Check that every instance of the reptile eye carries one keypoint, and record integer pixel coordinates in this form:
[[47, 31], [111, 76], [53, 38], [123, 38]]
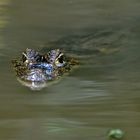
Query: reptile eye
[[61, 59], [59, 62], [24, 58]]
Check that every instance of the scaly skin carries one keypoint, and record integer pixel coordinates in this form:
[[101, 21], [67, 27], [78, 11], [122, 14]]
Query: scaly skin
[[34, 70]]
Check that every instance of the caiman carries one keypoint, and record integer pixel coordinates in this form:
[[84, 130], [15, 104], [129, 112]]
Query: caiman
[[35, 70]]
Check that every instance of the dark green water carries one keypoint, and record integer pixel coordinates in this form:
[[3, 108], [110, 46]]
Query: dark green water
[[102, 93]]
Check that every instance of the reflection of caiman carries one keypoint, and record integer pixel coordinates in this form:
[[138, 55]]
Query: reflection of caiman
[[35, 70]]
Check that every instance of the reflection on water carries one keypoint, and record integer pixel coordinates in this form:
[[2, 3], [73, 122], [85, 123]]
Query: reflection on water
[[102, 93], [3, 19]]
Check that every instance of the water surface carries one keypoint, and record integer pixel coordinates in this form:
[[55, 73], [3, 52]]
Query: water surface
[[102, 93]]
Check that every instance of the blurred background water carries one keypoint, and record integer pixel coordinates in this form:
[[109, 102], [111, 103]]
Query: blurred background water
[[102, 93]]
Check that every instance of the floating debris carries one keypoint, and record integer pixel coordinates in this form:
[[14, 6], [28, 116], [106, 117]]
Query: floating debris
[[35, 70], [116, 134]]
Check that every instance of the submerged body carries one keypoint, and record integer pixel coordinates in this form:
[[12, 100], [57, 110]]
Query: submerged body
[[36, 70]]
